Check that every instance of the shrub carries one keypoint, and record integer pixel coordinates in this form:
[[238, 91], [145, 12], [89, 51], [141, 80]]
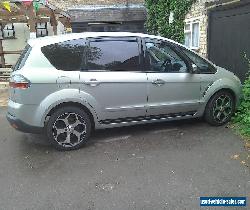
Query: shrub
[[242, 116]]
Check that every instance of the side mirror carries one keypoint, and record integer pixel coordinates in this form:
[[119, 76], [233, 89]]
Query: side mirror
[[194, 68]]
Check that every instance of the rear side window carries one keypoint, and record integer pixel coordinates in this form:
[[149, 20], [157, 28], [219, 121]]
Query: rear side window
[[23, 57], [113, 55], [66, 56]]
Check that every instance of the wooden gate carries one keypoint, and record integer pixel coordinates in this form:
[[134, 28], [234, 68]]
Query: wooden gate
[[229, 37]]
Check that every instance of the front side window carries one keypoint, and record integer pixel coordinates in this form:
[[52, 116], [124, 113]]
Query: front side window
[[202, 64], [113, 55], [66, 56], [160, 57], [192, 34]]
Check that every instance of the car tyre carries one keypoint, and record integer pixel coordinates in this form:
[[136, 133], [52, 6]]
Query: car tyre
[[68, 128], [220, 108]]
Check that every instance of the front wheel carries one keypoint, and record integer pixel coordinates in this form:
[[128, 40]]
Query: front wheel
[[68, 128], [220, 108]]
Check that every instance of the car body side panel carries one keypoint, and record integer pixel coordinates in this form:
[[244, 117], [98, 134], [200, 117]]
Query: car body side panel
[[115, 94], [219, 84], [180, 93]]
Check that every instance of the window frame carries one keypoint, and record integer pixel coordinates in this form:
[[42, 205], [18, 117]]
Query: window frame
[[12, 29], [173, 47], [46, 28], [111, 38], [191, 23]]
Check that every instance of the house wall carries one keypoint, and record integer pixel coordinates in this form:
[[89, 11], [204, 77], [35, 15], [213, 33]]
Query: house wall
[[199, 12], [22, 35]]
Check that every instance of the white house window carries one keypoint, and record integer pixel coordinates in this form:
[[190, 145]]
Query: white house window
[[41, 29], [9, 31], [192, 34]]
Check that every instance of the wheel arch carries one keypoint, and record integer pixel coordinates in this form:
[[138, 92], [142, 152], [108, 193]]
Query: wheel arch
[[75, 104], [223, 89], [227, 90]]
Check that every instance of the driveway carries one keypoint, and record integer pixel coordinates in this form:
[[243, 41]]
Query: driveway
[[4, 95], [159, 166]]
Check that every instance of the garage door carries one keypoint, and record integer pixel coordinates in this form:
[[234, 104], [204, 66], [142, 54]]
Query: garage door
[[229, 38]]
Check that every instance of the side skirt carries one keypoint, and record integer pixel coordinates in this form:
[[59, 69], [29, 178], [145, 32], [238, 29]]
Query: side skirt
[[145, 119]]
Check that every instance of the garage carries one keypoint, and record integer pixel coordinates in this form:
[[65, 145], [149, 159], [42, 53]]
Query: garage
[[229, 37]]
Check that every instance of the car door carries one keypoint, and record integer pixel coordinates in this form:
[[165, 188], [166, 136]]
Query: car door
[[112, 79], [172, 88], [206, 70]]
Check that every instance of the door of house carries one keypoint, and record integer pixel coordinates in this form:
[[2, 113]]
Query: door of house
[[229, 37]]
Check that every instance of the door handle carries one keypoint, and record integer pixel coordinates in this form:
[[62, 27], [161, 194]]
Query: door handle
[[92, 82], [158, 82]]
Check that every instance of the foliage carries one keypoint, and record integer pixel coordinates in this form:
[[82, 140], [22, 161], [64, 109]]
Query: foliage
[[242, 116], [158, 17]]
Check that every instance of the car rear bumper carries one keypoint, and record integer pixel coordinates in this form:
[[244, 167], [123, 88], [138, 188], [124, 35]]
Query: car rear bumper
[[22, 126]]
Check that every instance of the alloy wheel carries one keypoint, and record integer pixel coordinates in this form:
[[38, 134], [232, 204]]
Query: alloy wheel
[[223, 108], [69, 129]]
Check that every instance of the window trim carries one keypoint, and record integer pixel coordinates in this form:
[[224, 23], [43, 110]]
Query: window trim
[[173, 47], [84, 67], [12, 29], [191, 23]]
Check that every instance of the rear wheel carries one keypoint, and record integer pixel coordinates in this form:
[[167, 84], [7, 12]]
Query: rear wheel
[[220, 108], [68, 128]]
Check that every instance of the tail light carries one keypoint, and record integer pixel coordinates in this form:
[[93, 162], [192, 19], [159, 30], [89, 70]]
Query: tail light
[[19, 82]]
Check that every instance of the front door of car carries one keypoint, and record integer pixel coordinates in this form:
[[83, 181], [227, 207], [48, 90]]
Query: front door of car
[[172, 88], [205, 68], [111, 78]]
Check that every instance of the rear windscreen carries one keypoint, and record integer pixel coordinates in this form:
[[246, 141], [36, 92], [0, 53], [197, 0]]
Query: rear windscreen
[[23, 57]]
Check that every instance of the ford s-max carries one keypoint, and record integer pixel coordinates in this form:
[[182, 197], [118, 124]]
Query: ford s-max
[[70, 85]]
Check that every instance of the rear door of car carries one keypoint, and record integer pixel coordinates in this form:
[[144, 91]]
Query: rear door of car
[[112, 78]]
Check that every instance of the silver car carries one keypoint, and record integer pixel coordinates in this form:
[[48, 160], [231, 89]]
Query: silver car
[[70, 85]]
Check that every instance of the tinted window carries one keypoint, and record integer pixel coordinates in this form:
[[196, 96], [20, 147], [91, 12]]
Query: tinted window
[[160, 57], [204, 66], [23, 57], [67, 55], [113, 55]]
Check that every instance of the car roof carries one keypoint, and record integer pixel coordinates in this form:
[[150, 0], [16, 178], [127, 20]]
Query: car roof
[[43, 41]]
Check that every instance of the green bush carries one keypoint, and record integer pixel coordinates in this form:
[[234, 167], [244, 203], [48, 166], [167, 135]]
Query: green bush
[[158, 17], [242, 116]]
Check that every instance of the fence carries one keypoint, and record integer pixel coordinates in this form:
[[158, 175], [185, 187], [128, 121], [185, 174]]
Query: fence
[[5, 74], [5, 70]]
